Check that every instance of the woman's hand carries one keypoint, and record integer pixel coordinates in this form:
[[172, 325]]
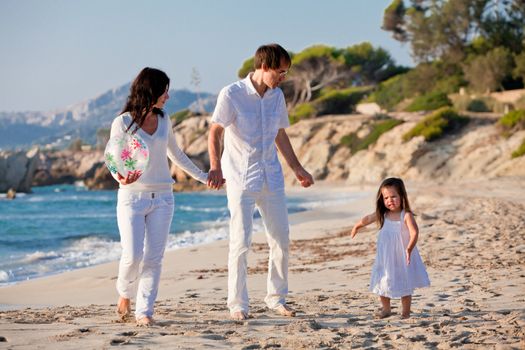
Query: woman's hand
[[215, 179], [130, 178]]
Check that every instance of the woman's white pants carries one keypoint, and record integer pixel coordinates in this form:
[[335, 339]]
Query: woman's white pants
[[274, 213], [144, 220]]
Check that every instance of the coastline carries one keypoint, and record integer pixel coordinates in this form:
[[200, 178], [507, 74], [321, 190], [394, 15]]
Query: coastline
[[472, 241]]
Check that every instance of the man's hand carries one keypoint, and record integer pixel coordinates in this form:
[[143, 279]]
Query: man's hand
[[304, 177], [130, 178], [215, 179]]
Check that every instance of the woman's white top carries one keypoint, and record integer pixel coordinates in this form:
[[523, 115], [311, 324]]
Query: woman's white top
[[161, 145]]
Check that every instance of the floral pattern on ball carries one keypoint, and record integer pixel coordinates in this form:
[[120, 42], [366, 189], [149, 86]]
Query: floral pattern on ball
[[126, 154]]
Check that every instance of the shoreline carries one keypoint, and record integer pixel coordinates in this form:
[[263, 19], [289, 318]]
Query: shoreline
[[102, 270], [473, 257], [215, 230]]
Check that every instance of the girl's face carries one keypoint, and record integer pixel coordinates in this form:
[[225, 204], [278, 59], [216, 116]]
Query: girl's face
[[391, 198], [161, 101]]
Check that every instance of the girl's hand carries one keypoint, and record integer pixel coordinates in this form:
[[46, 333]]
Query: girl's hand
[[408, 256], [354, 232], [130, 178]]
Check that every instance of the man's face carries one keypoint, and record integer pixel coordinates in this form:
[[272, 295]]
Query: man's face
[[273, 77]]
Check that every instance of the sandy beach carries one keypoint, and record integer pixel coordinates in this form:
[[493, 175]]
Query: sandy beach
[[472, 240]]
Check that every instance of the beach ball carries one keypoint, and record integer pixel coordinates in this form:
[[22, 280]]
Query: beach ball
[[126, 153]]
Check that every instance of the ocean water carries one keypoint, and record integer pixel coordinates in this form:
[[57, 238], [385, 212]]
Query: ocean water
[[66, 227]]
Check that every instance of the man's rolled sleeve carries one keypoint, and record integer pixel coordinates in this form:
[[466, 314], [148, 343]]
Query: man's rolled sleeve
[[224, 113], [283, 120]]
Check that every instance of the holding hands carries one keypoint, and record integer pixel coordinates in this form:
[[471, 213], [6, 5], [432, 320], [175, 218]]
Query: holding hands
[[215, 179]]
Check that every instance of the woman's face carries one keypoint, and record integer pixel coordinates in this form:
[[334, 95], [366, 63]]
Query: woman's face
[[161, 101]]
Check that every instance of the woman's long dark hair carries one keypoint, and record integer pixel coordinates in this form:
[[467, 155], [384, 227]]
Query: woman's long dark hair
[[380, 203], [145, 90]]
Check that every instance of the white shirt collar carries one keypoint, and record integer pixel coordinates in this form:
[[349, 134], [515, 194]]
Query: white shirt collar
[[250, 89]]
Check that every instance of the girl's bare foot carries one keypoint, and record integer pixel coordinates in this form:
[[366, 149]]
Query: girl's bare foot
[[383, 313]]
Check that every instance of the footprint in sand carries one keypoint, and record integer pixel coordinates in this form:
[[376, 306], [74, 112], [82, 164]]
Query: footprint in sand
[[128, 334], [118, 341], [213, 337], [443, 297], [417, 338]]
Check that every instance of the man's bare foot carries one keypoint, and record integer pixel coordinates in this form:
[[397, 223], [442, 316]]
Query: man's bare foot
[[145, 321], [123, 308], [405, 315], [285, 310], [239, 315], [383, 314]]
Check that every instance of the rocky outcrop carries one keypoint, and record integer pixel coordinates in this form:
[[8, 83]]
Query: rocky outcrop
[[478, 151], [69, 166], [17, 170], [192, 137]]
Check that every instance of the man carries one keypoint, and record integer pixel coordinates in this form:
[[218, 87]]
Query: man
[[251, 115]]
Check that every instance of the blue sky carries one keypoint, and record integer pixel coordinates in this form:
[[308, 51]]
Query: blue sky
[[55, 53]]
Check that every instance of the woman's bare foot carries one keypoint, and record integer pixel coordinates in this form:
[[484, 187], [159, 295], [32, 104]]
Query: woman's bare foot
[[123, 308], [145, 321]]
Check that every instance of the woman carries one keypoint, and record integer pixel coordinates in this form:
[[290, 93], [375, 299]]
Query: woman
[[145, 202]]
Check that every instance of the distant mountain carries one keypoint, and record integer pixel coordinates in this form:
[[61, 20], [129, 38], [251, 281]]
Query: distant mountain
[[82, 120]]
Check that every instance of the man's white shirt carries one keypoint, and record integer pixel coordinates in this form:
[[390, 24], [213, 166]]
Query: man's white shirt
[[251, 123]]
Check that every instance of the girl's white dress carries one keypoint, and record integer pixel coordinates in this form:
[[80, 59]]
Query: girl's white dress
[[391, 276]]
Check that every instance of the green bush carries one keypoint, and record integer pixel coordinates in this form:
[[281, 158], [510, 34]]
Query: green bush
[[429, 102], [520, 151], [437, 124], [302, 111], [317, 51], [389, 93], [477, 105], [378, 128], [246, 68], [350, 141], [339, 101], [514, 120], [181, 115]]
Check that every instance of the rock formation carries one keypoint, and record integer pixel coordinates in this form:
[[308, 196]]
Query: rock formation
[[17, 170], [478, 151]]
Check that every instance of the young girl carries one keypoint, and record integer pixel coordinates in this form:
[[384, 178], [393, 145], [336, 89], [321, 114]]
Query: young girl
[[398, 268]]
